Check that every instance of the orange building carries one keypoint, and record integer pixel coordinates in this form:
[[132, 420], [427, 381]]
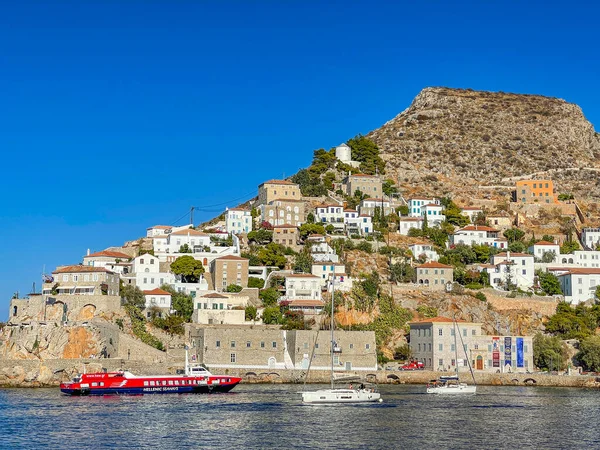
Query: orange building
[[535, 191]]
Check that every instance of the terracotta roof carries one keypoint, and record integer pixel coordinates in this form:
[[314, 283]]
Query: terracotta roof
[[582, 271], [278, 182], [306, 303], [434, 265], [238, 209], [419, 198], [329, 205], [189, 231], [438, 319], [164, 236], [544, 243], [81, 268], [365, 215], [504, 254], [160, 227], [301, 275], [285, 225], [350, 210], [108, 253], [214, 295], [285, 200], [156, 291], [432, 204], [479, 228], [231, 257]]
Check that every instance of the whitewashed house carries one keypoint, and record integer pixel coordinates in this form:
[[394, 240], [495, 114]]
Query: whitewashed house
[[471, 212], [158, 230], [415, 205], [325, 271], [105, 258], [579, 284], [518, 268], [434, 215], [171, 243], [368, 205], [147, 274], [302, 286], [478, 235], [238, 220], [590, 237], [157, 298], [539, 249], [408, 223], [424, 250], [214, 308], [586, 258], [357, 224], [330, 215]]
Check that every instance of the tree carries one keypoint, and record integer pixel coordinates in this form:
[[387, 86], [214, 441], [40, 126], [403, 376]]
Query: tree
[[271, 315], [329, 229], [189, 268], [269, 296], [425, 226], [389, 187], [366, 152], [364, 246], [402, 353], [272, 255], [516, 247], [303, 262], [514, 235], [480, 219], [597, 292], [569, 247], [310, 218], [548, 352], [185, 249], [402, 273], [549, 283], [180, 302], [402, 210], [233, 288], [549, 257], [310, 183], [254, 282], [250, 312], [261, 236], [307, 229], [589, 353], [453, 213], [133, 295]]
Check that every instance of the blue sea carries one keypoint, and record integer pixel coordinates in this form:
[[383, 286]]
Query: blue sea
[[272, 416]]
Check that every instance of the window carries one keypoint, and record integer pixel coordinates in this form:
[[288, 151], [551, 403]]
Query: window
[[142, 261], [274, 344], [232, 344], [440, 362], [441, 347], [367, 346], [452, 348], [351, 345], [440, 332], [465, 332], [472, 332], [232, 357], [65, 277], [419, 346], [248, 344], [218, 344], [75, 277]]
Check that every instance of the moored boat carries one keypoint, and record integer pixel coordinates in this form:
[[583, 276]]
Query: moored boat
[[196, 380]]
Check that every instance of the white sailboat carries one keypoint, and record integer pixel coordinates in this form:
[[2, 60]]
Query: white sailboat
[[362, 394], [451, 384]]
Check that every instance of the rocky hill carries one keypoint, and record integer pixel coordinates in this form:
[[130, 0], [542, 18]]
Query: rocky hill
[[449, 138]]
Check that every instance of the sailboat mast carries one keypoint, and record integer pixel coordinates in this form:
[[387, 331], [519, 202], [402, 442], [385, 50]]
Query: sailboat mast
[[332, 338], [455, 346]]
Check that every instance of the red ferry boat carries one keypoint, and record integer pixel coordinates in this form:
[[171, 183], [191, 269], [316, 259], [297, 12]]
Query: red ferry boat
[[197, 380]]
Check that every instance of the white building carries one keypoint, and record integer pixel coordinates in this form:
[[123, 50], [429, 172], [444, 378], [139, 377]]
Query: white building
[[330, 215], [323, 252], [478, 235], [415, 205], [368, 205], [214, 308], [105, 258], [590, 237], [471, 212], [325, 272], [171, 243], [433, 213], [539, 249], [424, 249], [158, 230], [357, 224], [302, 286], [146, 270], [408, 223], [586, 258], [238, 220], [518, 268], [157, 297], [579, 284], [343, 153]]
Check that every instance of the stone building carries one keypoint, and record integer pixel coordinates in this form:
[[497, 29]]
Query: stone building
[[283, 212], [81, 280], [435, 275], [268, 347], [278, 190], [432, 342], [286, 235], [369, 185], [215, 308], [228, 270]]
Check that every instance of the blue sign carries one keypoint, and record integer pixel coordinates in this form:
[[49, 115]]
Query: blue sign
[[507, 350], [520, 352]]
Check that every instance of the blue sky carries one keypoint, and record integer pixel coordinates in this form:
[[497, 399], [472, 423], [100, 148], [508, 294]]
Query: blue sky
[[115, 116]]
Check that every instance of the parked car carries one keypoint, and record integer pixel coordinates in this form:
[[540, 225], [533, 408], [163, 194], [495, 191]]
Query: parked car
[[413, 365]]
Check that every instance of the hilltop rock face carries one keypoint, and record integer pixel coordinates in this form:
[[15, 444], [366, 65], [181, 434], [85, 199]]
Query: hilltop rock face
[[451, 137]]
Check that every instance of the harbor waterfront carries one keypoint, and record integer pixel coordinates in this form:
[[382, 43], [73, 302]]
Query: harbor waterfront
[[272, 416], [30, 373]]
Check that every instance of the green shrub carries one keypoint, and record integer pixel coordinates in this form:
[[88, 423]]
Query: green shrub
[[481, 296]]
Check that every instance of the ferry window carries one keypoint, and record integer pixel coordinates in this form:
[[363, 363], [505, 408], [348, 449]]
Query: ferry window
[[176, 382], [94, 384], [170, 382], [102, 383], [145, 383], [164, 383], [152, 383], [218, 344]]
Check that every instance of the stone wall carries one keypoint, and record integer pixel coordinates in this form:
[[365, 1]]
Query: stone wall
[[70, 308]]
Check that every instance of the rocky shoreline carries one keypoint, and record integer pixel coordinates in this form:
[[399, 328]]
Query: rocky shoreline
[[50, 373]]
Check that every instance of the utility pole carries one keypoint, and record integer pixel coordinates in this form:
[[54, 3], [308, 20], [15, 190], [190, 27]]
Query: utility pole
[[192, 216]]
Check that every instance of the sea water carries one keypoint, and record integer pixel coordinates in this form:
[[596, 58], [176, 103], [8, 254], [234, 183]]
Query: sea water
[[272, 416]]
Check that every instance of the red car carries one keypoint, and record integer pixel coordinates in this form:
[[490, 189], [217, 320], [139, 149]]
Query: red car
[[413, 365]]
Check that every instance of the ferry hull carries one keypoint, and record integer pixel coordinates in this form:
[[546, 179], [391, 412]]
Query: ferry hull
[[221, 388]]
